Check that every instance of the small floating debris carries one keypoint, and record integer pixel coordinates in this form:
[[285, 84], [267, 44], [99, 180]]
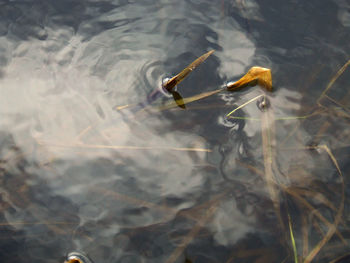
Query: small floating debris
[[255, 75], [171, 83], [77, 257], [168, 87]]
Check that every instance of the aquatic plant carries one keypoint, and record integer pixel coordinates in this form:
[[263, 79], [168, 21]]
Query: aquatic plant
[[308, 213]]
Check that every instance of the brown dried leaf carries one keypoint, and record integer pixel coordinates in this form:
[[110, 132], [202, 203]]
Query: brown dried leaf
[[256, 75]]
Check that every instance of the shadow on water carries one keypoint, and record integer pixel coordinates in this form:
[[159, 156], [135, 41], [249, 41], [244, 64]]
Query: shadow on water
[[267, 183]]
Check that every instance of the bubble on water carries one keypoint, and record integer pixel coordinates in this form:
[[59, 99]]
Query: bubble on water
[[263, 103]]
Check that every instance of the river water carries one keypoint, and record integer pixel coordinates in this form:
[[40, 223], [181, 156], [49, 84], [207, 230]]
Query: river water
[[173, 185]]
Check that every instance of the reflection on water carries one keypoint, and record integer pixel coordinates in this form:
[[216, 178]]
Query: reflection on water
[[176, 185]]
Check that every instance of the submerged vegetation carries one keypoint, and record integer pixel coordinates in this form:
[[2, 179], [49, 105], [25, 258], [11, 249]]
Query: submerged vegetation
[[308, 212], [284, 195]]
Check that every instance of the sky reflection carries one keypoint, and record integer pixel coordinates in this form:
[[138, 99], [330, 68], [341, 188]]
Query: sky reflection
[[171, 185]]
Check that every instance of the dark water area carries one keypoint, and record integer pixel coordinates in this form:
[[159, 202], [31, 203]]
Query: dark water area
[[173, 185]]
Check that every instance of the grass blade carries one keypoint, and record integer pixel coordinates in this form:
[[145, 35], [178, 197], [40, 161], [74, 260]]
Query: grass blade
[[169, 86], [292, 239]]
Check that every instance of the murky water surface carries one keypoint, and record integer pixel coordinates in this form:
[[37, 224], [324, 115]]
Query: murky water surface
[[173, 185]]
